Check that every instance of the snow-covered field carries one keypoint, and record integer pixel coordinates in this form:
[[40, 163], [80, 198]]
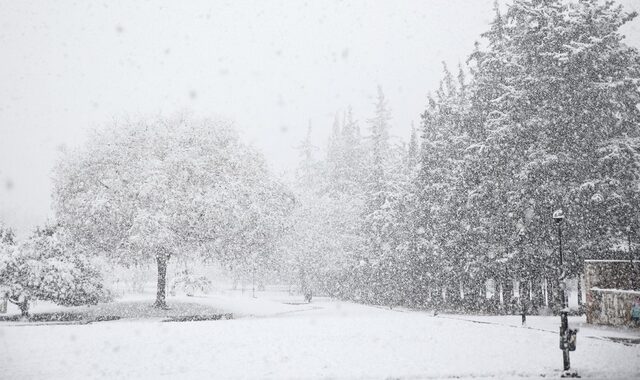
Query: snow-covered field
[[273, 337]]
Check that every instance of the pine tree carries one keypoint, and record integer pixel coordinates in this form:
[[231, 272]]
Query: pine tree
[[554, 95]]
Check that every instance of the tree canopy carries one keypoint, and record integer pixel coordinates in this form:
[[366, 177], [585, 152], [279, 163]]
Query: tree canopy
[[157, 188]]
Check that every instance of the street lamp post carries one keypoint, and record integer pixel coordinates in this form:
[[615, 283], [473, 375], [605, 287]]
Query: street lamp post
[[629, 244], [567, 335]]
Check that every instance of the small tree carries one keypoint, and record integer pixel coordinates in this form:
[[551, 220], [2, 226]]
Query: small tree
[[48, 267], [7, 236]]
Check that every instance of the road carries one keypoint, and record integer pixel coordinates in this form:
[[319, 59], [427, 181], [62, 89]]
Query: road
[[275, 337]]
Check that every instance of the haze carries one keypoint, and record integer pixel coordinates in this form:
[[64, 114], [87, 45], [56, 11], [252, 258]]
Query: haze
[[272, 67]]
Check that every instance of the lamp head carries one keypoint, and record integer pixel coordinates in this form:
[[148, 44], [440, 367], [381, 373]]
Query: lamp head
[[558, 216]]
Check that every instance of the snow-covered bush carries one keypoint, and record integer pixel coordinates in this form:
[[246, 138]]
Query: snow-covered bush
[[47, 267], [189, 283]]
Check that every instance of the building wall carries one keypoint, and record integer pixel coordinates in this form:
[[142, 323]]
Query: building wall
[[612, 288]]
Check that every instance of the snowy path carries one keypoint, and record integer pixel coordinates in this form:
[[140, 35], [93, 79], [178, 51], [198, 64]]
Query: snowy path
[[276, 340], [550, 324]]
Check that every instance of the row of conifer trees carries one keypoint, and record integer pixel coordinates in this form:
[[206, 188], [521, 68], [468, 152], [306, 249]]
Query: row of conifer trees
[[544, 115]]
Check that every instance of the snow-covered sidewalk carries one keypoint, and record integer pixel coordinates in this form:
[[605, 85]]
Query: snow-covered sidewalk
[[551, 324], [275, 338]]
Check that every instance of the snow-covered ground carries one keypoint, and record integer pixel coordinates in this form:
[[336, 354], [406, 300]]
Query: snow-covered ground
[[277, 337]]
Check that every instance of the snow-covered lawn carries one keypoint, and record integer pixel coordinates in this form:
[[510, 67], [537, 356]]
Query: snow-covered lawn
[[273, 337]]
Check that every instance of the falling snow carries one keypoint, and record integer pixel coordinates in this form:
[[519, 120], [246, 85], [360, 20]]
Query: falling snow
[[176, 248]]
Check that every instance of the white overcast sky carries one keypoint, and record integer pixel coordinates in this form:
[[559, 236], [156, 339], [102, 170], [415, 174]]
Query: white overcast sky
[[272, 66]]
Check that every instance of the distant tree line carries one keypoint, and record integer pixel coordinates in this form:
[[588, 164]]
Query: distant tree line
[[545, 115]]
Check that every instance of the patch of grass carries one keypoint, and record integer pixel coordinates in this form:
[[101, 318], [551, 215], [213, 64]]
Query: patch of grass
[[144, 309], [176, 312], [61, 316], [195, 318]]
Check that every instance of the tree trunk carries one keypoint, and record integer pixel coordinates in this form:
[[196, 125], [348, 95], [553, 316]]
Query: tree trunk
[[453, 297], [579, 290], [445, 296], [161, 258], [474, 299], [537, 287], [525, 290], [24, 308], [507, 286], [23, 305]]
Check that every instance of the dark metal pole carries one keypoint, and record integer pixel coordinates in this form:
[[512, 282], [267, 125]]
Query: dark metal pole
[[564, 323], [560, 248], [629, 241]]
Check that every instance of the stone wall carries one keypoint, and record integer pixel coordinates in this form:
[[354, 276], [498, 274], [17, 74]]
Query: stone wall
[[612, 288]]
